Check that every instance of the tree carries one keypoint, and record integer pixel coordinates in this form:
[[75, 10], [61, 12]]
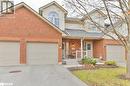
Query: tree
[[116, 11]]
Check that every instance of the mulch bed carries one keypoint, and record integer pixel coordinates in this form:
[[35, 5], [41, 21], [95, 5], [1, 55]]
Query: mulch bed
[[106, 66], [84, 67]]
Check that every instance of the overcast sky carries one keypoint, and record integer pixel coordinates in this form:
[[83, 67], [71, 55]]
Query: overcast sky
[[35, 4]]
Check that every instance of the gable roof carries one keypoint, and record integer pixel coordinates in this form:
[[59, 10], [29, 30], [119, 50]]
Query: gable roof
[[54, 3], [94, 11], [116, 24], [97, 10], [22, 4]]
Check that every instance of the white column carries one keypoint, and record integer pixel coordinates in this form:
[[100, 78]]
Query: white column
[[67, 49], [81, 48]]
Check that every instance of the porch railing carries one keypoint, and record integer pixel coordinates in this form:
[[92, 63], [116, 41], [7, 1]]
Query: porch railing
[[85, 53], [78, 54]]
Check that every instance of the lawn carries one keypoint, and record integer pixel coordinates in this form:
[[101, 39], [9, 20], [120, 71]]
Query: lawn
[[102, 77]]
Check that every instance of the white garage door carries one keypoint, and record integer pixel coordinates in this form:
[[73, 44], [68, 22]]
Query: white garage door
[[116, 53], [9, 53], [42, 53]]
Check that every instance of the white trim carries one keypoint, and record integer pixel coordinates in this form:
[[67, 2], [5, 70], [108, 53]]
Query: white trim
[[81, 47], [55, 3], [53, 16], [87, 42], [80, 58]]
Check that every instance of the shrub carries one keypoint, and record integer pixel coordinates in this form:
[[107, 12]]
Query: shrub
[[89, 60], [94, 61], [110, 63]]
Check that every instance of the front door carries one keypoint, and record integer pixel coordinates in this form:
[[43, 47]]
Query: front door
[[89, 49]]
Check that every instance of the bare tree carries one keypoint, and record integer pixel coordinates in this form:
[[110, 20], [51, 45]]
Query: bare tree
[[116, 11]]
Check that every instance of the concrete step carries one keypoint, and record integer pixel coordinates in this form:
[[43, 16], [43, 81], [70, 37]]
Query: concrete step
[[71, 62]]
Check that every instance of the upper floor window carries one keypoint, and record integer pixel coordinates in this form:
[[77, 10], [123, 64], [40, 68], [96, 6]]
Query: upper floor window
[[54, 18], [92, 27], [6, 7]]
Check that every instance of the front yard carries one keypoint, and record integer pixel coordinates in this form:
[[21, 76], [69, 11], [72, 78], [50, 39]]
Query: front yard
[[103, 77]]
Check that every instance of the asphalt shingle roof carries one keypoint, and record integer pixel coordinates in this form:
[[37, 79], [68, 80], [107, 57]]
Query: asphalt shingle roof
[[82, 33]]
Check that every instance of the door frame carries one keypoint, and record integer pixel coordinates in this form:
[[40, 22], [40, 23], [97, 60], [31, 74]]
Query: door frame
[[91, 43]]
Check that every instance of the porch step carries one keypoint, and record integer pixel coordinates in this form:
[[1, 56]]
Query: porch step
[[71, 62], [73, 67]]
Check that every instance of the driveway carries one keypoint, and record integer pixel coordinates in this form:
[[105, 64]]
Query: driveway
[[45, 75]]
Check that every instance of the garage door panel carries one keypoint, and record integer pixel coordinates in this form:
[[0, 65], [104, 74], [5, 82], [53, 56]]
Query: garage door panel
[[42, 53], [9, 62], [9, 53], [116, 53]]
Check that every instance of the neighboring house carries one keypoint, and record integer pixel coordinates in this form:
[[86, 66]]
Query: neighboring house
[[82, 35], [29, 38]]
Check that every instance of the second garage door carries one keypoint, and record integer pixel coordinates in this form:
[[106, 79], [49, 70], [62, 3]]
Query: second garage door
[[42, 53], [116, 53], [9, 53]]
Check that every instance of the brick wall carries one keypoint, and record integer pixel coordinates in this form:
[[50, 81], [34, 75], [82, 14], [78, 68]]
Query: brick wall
[[25, 26]]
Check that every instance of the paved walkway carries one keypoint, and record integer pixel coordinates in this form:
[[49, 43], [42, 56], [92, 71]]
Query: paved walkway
[[46, 75]]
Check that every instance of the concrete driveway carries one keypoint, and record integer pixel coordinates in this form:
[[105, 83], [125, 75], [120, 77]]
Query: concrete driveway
[[45, 75]]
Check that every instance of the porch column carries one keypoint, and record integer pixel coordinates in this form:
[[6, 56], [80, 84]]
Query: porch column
[[81, 48]]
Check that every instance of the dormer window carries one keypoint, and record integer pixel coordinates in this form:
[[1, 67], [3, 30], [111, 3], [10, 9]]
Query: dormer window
[[54, 18]]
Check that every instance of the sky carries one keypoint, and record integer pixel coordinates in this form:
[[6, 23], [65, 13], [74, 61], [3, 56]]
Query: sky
[[36, 4]]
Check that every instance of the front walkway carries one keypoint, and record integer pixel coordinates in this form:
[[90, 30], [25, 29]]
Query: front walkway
[[45, 75]]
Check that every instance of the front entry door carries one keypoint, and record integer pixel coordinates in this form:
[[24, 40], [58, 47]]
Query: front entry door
[[89, 49]]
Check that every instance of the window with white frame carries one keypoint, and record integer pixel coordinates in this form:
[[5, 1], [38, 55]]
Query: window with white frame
[[6, 7], [54, 18], [92, 27]]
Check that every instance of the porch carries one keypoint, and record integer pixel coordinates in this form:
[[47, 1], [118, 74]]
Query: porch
[[79, 43], [76, 49]]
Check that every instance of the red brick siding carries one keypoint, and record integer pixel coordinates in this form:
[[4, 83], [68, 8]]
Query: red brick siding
[[100, 47], [25, 26]]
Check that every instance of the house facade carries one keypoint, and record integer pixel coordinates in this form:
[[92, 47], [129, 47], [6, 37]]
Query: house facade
[[49, 37], [83, 38], [26, 37]]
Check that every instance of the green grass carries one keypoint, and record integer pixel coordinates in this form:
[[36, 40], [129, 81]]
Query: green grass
[[103, 77]]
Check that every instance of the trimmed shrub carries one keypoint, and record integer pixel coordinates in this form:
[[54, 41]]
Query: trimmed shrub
[[89, 60], [94, 61], [110, 63]]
